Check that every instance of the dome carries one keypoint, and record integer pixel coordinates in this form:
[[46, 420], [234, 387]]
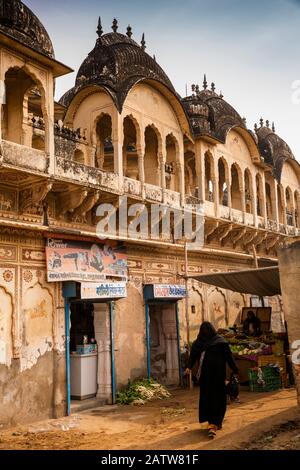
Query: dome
[[18, 22], [210, 114], [117, 63], [274, 150]]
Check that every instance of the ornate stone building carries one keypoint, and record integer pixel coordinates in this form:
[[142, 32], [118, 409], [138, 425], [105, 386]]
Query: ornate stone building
[[121, 130]]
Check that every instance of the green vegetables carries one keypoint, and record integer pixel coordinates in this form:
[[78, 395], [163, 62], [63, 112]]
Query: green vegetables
[[141, 391]]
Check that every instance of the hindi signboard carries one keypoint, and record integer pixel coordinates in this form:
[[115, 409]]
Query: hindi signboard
[[84, 261], [167, 291], [104, 290]]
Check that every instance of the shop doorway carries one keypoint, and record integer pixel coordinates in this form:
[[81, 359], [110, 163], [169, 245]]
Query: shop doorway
[[164, 361], [91, 362]]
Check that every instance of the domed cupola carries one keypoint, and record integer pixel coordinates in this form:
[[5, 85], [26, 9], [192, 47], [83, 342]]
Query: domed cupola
[[273, 149], [117, 63], [210, 114], [20, 23]]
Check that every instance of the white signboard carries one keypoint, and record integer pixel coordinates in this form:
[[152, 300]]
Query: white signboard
[[165, 291], [104, 290]]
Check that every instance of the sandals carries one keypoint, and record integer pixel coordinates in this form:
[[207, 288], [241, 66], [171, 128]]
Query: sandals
[[212, 431]]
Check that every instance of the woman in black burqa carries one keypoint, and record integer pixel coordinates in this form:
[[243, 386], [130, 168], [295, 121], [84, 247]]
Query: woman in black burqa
[[213, 353]]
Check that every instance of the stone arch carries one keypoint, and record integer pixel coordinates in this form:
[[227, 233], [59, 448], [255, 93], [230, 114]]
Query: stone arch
[[153, 147], [17, 127], [223, 179], [260, 203], [38, 313], [103, 127], [131, 146], [236, 302], [289, 206], [196, 311], [236, 186], [209, 176], [249, 197], [217, 308], [172, 160], [6, 327]]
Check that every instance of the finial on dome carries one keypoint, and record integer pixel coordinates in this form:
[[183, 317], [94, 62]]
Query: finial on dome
[[205, 82], [129, 31], [213, 87], [99, 29], [245, 121], [154, 57], [115, 25], [273, 127], [255, 127], [143, 42], [267, 123], [261, 121]]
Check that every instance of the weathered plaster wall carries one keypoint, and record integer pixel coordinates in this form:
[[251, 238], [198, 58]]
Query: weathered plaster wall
[[289, 269], [32, 359], [130, 337]]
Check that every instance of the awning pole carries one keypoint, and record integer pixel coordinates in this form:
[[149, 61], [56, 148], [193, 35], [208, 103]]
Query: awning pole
[[67, 334], [178, 344], [187, 297], [112, 352]]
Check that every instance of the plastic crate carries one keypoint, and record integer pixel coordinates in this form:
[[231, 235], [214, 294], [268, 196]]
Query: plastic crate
[[272, 380]]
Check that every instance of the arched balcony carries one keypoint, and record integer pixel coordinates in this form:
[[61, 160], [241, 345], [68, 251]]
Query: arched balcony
[[104, 149], [151, 160]]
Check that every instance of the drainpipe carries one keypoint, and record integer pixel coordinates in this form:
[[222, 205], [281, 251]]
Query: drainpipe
[[68, 376], [112, 352]]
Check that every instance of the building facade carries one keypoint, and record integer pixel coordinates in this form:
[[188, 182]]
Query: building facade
[[122, 130]]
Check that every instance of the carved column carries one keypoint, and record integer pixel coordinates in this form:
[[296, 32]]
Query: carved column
[[200, 170], [117, 137], [283, 197], [141, 166], [275, 204], [216, 195], [254, 205], [49, 125], [242, 190], [264, 201]]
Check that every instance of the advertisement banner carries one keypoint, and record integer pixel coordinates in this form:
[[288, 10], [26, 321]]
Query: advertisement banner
[[84, 261], [162, 291], [104, 290]]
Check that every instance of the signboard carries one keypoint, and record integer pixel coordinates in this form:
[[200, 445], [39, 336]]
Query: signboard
[[165, 291], [104, 290], [84, 261]]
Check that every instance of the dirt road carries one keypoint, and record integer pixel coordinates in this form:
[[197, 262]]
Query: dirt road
[[162, 425]]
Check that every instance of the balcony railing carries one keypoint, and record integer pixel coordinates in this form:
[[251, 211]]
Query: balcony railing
[[79, 173], [154, 193], [172, 198], [24, 157]]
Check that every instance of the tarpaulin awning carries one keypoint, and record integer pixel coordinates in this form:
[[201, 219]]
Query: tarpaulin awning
[[263, 282]]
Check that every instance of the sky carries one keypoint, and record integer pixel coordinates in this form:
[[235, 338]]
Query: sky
[[250, 50]]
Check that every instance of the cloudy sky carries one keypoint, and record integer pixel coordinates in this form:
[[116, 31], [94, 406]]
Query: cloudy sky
[[251, 50]]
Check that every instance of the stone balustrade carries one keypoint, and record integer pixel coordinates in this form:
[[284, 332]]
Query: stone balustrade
[[23, 157]]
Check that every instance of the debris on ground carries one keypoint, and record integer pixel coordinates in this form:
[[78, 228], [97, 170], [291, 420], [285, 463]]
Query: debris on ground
[[173, 411], [142, 391]]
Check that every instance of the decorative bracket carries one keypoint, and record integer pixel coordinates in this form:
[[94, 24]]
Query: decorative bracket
[[34, 196]]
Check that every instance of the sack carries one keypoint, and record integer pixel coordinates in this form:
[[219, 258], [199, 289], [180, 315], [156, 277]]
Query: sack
[[233, 387]]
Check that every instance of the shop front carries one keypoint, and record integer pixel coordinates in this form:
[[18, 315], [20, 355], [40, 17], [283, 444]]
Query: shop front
[[162, 332], [93, 277], [90, 357]]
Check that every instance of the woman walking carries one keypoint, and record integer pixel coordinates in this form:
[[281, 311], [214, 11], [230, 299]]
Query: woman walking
[[213, 353]]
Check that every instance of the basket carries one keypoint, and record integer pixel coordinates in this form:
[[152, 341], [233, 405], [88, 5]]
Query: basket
[[273, 359], [272, 380]]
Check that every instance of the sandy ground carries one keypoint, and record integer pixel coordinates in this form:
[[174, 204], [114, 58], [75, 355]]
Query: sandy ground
[[268, 420]]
